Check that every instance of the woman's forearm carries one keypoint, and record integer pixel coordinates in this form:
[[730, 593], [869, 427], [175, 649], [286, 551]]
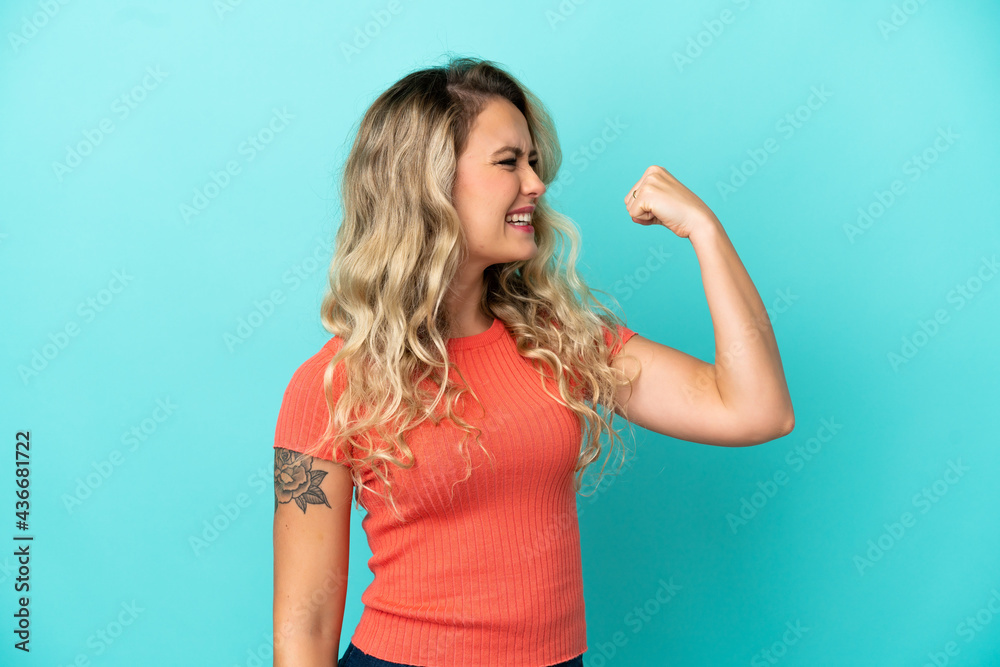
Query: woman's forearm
[[305, 649]]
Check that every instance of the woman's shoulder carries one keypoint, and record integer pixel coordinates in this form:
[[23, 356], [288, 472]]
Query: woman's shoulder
[[308, 376], [302, 418]]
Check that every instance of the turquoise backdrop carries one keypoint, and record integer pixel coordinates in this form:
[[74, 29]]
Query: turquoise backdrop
[[167, 207]]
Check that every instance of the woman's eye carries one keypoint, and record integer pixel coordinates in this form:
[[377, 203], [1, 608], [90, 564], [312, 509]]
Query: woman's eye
[[513, 162]]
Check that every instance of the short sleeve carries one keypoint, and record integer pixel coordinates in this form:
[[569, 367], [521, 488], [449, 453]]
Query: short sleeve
[[303, 416], [623, 332]]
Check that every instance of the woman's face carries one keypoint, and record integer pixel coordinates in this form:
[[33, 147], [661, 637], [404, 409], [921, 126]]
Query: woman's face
[[492, 180]]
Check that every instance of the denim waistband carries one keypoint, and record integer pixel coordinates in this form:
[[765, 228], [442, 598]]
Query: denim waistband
[[355, 657]]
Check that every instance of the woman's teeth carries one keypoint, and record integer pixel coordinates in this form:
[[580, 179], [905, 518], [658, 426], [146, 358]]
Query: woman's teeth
[[521, 219]]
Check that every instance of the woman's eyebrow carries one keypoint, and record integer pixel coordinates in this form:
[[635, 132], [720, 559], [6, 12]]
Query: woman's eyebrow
[[516, 150]]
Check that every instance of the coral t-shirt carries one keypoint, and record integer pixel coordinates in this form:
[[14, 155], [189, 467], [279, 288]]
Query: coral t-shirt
[[485, 572]]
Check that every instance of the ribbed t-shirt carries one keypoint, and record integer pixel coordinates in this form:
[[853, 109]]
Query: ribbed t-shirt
[[486, 572]]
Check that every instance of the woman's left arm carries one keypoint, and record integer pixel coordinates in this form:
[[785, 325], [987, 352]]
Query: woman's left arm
[[742, 398]]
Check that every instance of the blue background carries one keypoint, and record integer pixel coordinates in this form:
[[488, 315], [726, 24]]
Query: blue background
[[894, 77]]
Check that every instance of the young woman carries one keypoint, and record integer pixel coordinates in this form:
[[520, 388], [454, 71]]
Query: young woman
[[457, 319]]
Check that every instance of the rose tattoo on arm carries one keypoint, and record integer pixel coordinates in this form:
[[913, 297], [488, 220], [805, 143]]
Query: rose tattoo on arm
[[295, 480]]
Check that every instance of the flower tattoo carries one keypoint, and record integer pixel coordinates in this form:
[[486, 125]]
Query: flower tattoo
[[294, 479]]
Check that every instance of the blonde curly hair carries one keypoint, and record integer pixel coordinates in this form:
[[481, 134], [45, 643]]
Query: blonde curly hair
[[399, 246]]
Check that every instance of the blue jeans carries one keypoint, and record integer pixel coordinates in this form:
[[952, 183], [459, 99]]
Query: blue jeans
[[355, 657]]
